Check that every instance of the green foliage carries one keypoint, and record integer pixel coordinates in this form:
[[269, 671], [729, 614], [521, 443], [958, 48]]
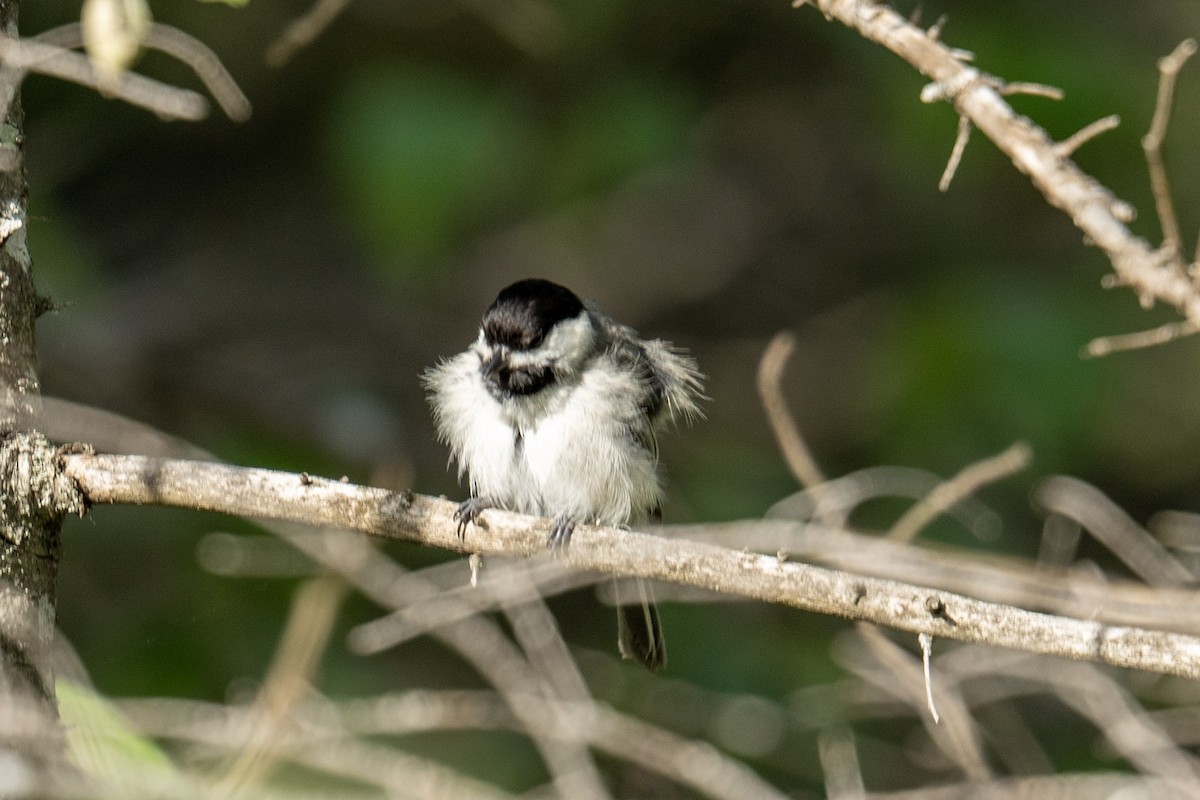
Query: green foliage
[[103, 743], [425, 157], [744, 483], [624, 126], [967, 371]]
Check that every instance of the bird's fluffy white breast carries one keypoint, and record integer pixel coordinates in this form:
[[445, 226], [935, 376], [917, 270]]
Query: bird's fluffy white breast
[[567, 450], [582, 452], [481, 437]]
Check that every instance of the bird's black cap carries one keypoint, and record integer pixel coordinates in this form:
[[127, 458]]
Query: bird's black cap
[[524, 312]]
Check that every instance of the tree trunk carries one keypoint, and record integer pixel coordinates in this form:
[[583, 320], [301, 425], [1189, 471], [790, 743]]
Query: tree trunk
[[29, 524]]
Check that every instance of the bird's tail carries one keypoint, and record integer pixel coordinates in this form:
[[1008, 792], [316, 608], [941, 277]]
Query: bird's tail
[[639, 632]]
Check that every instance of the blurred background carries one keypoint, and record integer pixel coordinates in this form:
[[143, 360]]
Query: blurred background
[[709, 174]]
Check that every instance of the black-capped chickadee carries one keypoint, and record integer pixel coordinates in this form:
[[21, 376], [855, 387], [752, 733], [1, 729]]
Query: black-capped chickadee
[[554, 411]]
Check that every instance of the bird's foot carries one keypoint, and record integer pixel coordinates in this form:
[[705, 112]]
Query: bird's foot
[[468, 512], [560, 533]]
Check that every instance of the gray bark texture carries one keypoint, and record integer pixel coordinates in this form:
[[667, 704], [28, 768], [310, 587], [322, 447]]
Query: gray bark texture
[[31, 743]]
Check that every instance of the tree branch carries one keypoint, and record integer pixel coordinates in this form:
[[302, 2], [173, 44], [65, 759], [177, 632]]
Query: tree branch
[[1150, 272], [30, 55], [1014, 458], [426, 520], [1152, 144], [799, 458]]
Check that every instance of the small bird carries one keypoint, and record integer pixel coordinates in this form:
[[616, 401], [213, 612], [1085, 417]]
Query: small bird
[[554, 410]]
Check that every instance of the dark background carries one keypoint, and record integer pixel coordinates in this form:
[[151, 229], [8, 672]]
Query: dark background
[[709, 173]]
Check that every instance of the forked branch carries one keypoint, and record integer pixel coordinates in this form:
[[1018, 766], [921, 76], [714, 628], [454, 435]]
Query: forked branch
[[979, 98]]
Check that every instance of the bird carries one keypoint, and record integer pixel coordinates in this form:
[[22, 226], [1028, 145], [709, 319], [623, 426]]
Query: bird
[[555, 410]]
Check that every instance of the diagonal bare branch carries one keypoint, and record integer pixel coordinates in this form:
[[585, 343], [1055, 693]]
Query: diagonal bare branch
[[261, 493], [1093, 209], [1013, 459]]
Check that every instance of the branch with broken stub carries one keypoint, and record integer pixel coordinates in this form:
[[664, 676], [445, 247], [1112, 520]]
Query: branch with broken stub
[[1155, 274]]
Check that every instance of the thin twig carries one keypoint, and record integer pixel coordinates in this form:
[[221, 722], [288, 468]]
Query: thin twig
[[305, 637], [400, 773], [51, 53], [926, 642], [1093, 693], [1061, 786], [303, 30], [956, 153], [1152, 143], [795, 452], [843, 495], [453, 603], [695, 764], [935, 30], [1010, 737], [537, 633], [1113, 528], [28, 55], [1060, 542], [1169, 332], [182, 46], [1068, 146], [893, 669], [207, 66], [839, 764], [965, 483], [1035, 89]]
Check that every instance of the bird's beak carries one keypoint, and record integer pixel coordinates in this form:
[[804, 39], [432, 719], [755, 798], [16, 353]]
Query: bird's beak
[[493, 365]]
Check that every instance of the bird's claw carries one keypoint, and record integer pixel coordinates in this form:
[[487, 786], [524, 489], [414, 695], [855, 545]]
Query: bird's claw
[[560, 533], [468, 512]]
